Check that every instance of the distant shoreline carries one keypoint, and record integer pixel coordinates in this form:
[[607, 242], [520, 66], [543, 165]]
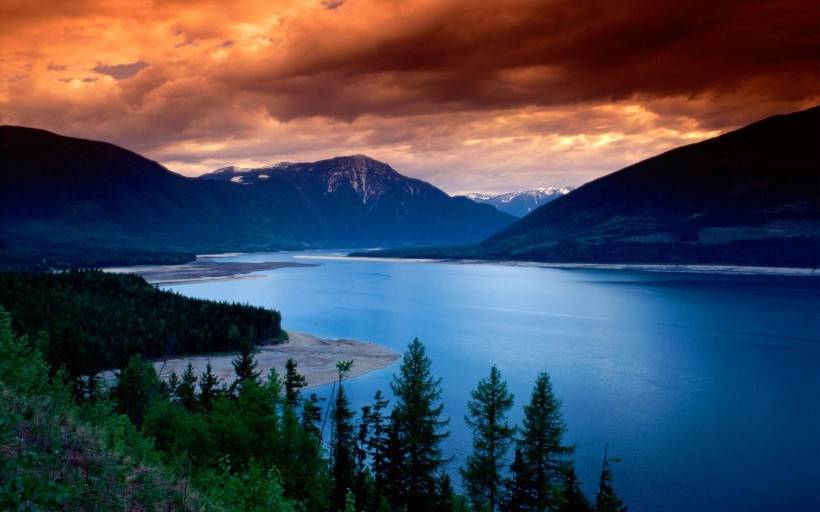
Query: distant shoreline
[[203, 269], [646, 267]]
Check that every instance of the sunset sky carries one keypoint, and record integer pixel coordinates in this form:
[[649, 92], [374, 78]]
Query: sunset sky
[[470, 95]]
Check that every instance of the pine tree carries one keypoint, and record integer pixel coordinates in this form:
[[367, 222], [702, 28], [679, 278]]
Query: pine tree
[[137, 385], [171, 386], [312, 414], [543, 456], [492, 435], [607, 500], [572, 497], [186, 390], [208, 388], [343, 448], [445, 499], [517, 496], [417, 427], [294, 381], [244, 366]]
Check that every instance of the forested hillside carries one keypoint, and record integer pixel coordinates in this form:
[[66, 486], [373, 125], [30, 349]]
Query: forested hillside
[[260, 444], [97, 320]]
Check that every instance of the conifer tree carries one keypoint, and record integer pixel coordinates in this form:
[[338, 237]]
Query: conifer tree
[[543, 456], [244, 366], [294, 381], [608, 500], [137, 385], [186, 390], [417, 428], [492, 435], [208, 388], [343, 448], [572, 497], [517, 497], [312, 414], [171, 386]]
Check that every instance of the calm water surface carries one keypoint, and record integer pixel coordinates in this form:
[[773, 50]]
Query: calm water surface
[[706, 386]]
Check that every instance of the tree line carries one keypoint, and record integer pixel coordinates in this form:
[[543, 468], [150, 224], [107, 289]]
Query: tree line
[[262, 442], [97, 320]]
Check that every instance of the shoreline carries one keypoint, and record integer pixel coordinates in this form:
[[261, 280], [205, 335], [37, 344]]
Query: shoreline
[[203, 269], [316, 359], [693, 268]]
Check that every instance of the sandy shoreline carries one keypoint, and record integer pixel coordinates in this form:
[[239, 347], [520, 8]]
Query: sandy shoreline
[[315, 356], [203, 270]]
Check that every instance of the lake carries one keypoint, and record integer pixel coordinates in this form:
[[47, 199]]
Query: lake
[[706, 386]]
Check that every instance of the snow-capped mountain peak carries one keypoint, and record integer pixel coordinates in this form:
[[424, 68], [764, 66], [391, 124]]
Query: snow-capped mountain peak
[[522, 202]]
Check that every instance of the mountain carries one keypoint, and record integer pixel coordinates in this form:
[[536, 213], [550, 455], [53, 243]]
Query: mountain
[[61, 195], [519, 204], [358, 201], [748, 197]]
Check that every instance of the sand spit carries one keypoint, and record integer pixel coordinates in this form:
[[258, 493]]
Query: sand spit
[[203, 270], [316, 358]]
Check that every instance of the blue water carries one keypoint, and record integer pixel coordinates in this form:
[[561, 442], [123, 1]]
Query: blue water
[[706, 386]]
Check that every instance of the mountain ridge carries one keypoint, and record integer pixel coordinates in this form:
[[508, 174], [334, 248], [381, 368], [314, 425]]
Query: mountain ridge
[[59, 193], [521, 202], [748, 197]]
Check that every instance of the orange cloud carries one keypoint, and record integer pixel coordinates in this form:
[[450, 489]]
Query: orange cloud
[[471, 95]]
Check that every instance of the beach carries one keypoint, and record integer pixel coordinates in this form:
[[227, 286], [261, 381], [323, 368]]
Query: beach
[[316, 359], [203, 269]]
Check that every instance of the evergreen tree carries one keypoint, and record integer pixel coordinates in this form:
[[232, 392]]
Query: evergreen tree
[[543, 456], [244, 366], [492, 435], [312, 414], [416, 425], [607, 500], [208, 388], [186, 390], [573, 499], [517, 497], [343, 448], [294, 381], [137, 385], [445, 499], [170, 387]]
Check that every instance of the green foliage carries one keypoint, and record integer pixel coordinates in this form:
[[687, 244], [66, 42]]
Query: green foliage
[[492, 434], [244, 366], [572, 498], [417, 430], [607, 500], [137, 385], [208, 388], [186, 390], [254, 490], [343, 448], [541, 457], [149, 445], [294, 381], [98, 320]]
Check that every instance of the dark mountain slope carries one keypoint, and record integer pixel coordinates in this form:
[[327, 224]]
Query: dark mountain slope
[[61, 195], [751, 196], [355, 200]]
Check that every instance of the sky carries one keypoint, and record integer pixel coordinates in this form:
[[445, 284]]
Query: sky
[[471, 95]]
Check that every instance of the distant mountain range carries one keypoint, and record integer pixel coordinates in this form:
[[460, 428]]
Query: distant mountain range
[[62, 195], [522, 202], [748, 197]]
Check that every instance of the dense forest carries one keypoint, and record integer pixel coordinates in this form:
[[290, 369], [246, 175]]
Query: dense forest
[[97, 320], [260, 443]]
